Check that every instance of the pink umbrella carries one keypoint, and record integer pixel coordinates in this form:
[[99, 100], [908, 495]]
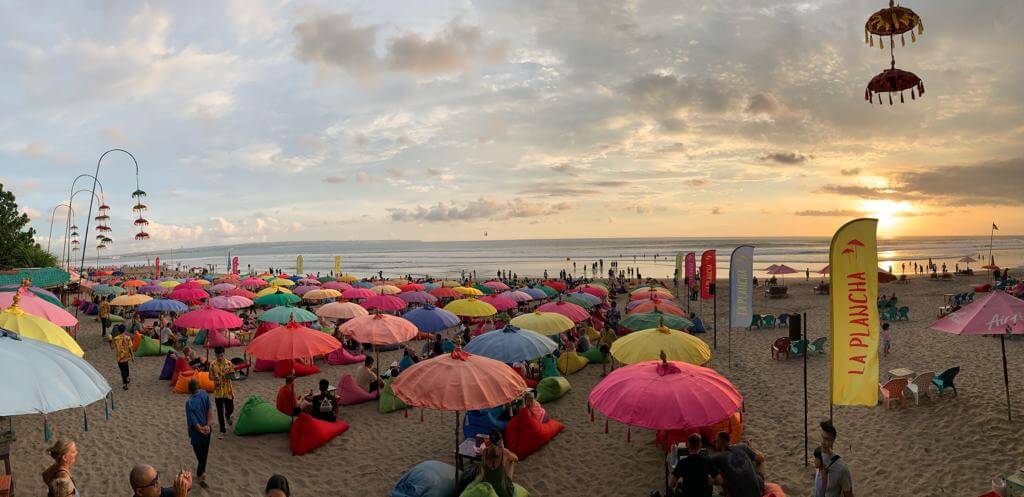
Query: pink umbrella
[[308, 281], [411, 287], [32, 304], [230, 302], [222, 287], [340, 286], [567, 309], [188, 294], [517, 296], [499, 302], [152, 290], [997, 313], [661, 395], [208, 318], [593, 290], [241, 292], [379, 329], [251, 283], [496, 286], [341, 310], [302, 289], [291, 341], [192, 284], [418, 297], [384, 303], [358, 293]]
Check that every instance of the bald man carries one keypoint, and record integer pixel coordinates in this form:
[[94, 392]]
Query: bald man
[[145, 482]]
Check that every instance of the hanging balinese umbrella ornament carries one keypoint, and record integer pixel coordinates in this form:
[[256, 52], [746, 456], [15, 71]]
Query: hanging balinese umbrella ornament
[[892, 21], [891, 81], [141, 222], [142, 235], [138, 194]]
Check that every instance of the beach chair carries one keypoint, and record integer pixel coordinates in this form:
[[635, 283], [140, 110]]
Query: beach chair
[[903, 313], [780, 347], [798, 348], [893, 389], [817, 346], [768, 321], [783, 321], [944, 380], [919, 385]]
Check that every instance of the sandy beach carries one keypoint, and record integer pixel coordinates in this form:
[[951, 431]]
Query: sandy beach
[[948, 446]]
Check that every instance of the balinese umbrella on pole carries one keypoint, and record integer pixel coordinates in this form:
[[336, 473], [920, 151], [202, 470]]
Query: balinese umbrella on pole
[[430, 319], [27, 325], [341, 310], [545, 323], [282, 314], [511, 344], [230, 302], [291, 341], [38, 306], [379, 329], [470, 307], [162, 305], [648, 345]]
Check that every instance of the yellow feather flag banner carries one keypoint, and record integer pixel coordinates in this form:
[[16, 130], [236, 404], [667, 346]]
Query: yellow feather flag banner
[[337, 265], [853, 261], [298, 265]]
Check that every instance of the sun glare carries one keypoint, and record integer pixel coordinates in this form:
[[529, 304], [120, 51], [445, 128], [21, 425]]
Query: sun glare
[[890, 214]]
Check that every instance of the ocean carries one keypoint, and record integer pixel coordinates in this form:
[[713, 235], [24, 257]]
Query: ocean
[[655, 257]]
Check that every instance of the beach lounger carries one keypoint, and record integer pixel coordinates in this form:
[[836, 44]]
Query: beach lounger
[[798, 348], [780, 347], [903, 313], [919, 385], [944, 380], [817, 346], [893, 389]]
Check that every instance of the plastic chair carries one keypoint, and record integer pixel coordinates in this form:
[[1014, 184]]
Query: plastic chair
[[783, 321], [780, 347], [919, 385], [755, 321], [798, 348], [893, 389], [904, 313], [768, 321], [817, 346], [944, 380]]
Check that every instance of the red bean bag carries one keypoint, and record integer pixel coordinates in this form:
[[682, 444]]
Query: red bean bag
[[216, 338], [308, 433], [282, 368], [264, 365], [529, 383], [524, 435], [205, 383], [342, 356], [983, 288], [179, 366], [349, 393]]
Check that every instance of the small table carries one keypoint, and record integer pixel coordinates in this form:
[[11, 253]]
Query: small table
[[900, 373], [467, 450]]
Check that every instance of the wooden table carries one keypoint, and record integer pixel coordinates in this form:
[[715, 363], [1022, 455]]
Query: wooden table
[[900, 373]]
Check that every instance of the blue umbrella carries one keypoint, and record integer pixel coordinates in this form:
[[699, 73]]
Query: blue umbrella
[[430, 319], [593, 299], [511, 344], [534, 292], [362, 284], [430, 286], [162, 305]]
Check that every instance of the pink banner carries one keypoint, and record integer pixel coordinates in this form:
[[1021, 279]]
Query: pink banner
[[234, 265], [707, 274], [691, 270], [157, 267]]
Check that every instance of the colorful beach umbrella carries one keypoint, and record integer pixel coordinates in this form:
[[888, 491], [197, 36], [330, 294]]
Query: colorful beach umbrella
[[580, 301], [589, 297], [281, 282], [647, 345], [222, 287], [131, 300], [13, 318], [291, 341], [301, 290], [430, 319], [470, 307], [417, 297], [169, 283], [568, 309], [153, 290], [484, 289], [467, 290], [511, 344], [411, 287], [644, 290], [459, 381], [517, 296], [386, 290], [38, 306], [548, 291], [662, 306], [208, 318], [496, 286], [188, 295], [646, 320], [133, 283], [534, 292], [241, 292], [558, 286], [594, 290], [499, 302], [357, 293], [443, 292], [546, 323], [347, 278], [336, 285], [321, 294], [341, 310], [282, 314], [271, 290], [39, 292], [252, 283], [379, 329], [162, 305], [387, 303], [230, 302]]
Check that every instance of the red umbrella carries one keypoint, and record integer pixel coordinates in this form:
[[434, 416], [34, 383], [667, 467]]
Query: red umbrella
[[379, 329], [194, 285], [593, 290], [497, 286], [252, 283], [557, 285], [384, 303], [567, 309], [340, 286], [501, 303], [358, 293], [443, 292], [411, 287], [188, 294], [208, 318], [291, 341], [240, 292]]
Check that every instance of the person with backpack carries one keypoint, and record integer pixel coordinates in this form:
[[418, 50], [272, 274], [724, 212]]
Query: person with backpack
[[832, 477], [325, 405]]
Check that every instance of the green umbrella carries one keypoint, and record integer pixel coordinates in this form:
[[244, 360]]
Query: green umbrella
[[278, 299], [108, 290], [283, 314], [486, 289], [550, 292], [647, 320], [580, 301], [327, 279]]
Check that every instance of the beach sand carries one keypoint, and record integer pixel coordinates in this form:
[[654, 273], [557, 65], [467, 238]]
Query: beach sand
[[949, 446]]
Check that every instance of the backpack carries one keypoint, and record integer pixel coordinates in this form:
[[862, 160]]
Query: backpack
[[326, 405]]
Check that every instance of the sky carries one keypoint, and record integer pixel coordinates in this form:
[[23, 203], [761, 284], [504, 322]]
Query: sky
[[273, 120]]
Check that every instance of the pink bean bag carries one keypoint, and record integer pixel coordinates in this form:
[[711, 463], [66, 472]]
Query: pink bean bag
[[342, 357], [179, 366], [282, 368], [349, 393], [264, 365], [216, 338], [308, 433], [263, 328], [524, 435]]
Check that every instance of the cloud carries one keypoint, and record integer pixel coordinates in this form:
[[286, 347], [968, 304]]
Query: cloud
[[716, 211], [828, 213], [480, 208], [858, 191], [697, 182], [566, 168], [850, 172], [334, 180], [998, 182], [394, 173], [788, 158], [454, 49], [332, 40], [762, 103], [664, 97], [211, 105], [362, 177]]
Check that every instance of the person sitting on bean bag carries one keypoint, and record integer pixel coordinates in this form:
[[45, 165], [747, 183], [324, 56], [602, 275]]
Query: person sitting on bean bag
[[534, 408], [497, 466], [325, 405]]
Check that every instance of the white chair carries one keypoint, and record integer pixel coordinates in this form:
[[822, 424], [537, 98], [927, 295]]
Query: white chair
[[920, 385]]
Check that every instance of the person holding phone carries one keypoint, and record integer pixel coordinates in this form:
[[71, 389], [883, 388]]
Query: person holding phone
[[145, 482]]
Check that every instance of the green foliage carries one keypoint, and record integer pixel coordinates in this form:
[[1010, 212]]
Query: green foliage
[[17, 243]]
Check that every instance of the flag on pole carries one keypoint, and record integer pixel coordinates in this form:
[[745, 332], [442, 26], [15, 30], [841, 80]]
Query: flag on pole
[[157, 267], [994, 226], [707, 274], [298, 265], [337, 265], [691, 270], [679, 264], [234, 265], [741, 286], [853, 262]]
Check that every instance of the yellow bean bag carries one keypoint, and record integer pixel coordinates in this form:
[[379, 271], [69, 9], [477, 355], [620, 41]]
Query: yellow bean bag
[[592, 334], [570, 362]]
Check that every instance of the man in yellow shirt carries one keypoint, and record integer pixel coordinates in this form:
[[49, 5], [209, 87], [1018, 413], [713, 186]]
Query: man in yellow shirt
[[104, 315], [123, 352], [220, 372]]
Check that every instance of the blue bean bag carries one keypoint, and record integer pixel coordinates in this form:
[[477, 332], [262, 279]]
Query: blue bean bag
[[483, 421], [169, 363], [405, 363], [200, 338], [427, 479]]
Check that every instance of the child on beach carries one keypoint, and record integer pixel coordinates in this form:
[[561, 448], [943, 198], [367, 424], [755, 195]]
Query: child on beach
[[886, 339]]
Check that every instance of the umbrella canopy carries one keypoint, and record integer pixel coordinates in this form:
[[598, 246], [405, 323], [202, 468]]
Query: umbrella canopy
[[50, 378], [558, 286], [647, 345], [576, 299], [291, 341], [37, 306], [208, 318], [648, 289], [665, 396], [357, 293], [241, 292], [649, 294], [106, 290], [450, 283], [534, 292], [990, 314], [347, 278], [589, 297], [303, 289], [662, 306], [548, 291], [517, 296], [252, 283], [430, 319], [27, 325], [341, 310], [499, 302], [547, 323], [308, 281], [282, 314], [511, 344], [134, 283], [567, 309], [162, 305], [336, 285], [281, 282], [470, 307], [781, 269], [41, 292], [222, 287], [384, 302], [497, 286], [443, 292], [596, 291], [468, 290], [321, 294], [188, 295], [968, 259], [411, 287], [191, 285], [417, 297], [131, 300], [271, 290], [459, 381], [645, 320], [153, 290], [484, 289], [169, 283], [379, 329], [275, 299], [230, 302], [386, 290]]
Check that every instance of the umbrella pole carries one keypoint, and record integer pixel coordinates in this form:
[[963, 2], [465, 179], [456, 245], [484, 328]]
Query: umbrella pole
[[458, 460], [1006, 377]]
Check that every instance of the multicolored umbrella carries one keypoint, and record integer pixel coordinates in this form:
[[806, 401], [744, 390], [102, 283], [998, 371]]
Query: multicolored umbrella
[[594, 290], [417, 297], [153, 290], [282, 314], [37, 306], [386, 290], [208, 318], [321, 294], [241, 292], [281, 282], [548, 291], [572, 311], [188, 295], [230, 302], [511, 344], [341, 310], [222, 287], [517, 296], [27, 325], [291, 341], [133, 283], [169, 283], [131, 300], [162, 305], [580, 301], [557, 286], [468, 290], [662, 306], [589, 297], [379, 329], [443, 292], [430, 319], [39, 292], [499, 302], [547, 323], [252, 283], [301, 290], [411, 287], [357, 293], [497, 286], [271, 290], [336, 285], [470, 307], [484, 289], [382, 302], [646, 320], [651, 343]]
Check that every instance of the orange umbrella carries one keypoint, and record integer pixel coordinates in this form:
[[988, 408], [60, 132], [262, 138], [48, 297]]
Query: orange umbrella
[[662, 306], [135, 283], [291, 341], [379, 329]]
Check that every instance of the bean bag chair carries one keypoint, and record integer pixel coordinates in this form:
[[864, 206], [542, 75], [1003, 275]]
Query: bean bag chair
[[149, 347], [552, 388], [308, 433], [217, 338], [114, 318], [169, 362], [264, 365], [205, 383], [524, 435], [983, 288], [282, 368], [570, 362], [258, 417], [179, 365], [484, 489], [732, 425], [342, 356], [388, 401], [136, 341], [483, 421], [405, 363], [200, 338], [349, 393], [529, 383], [548, 367], [593, 356], [426, 479]]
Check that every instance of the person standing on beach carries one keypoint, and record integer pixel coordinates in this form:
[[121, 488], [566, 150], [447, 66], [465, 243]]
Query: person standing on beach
[[197, 414], [145, 482], [832, 477], [122, 346], [807, 270], [104, 315], [223, 395]]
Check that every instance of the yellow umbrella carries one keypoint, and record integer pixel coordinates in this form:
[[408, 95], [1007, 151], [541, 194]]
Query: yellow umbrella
[[202, 282], [347, 278], [386, 290], [131, 300], [272, 289], [281, 282], [450, 283], [399, 281], [658, 289], [647, 345], [470, 308], [323, 293], [37, 328], [169, 283], [468, 290], [546, 323]]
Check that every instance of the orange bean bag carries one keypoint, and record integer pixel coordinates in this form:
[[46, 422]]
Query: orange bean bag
[[282, 368], [179, 366], [308, 433], [216, 338], [732, 425], [205, 383], [524, 435], [349, 393], [136, 341]]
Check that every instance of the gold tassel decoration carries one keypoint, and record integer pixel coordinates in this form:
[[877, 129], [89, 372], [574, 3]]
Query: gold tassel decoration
[[913, 39], [866, 36], [912, 94], [920, 27], [881, 43], [903, 41]]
